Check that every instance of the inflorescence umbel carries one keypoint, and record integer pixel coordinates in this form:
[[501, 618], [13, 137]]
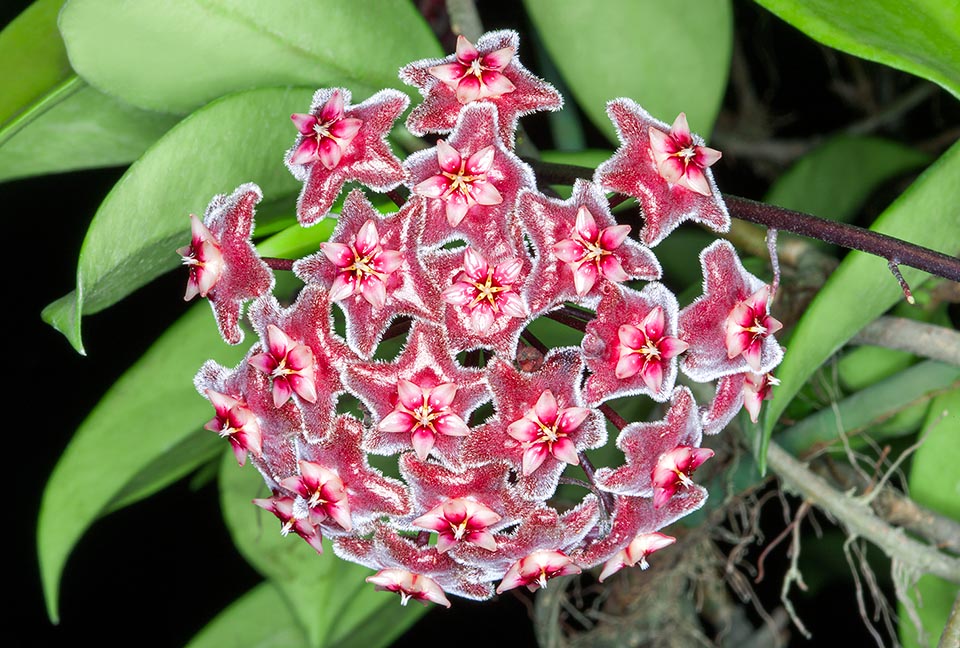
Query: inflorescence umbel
[[474, 255]]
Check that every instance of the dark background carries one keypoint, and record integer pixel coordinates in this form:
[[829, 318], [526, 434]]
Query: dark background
[[155, 573]]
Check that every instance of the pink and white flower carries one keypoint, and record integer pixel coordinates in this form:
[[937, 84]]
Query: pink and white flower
[[291, 366], [635, 171], [644, 348], [748, 325], [305, 525], [203, 258], [460, 520], [545, 430], [409, 586], [339, 143], [224, 266], [235, 422], [488, 72], [461, 183], [679, 158], [588, 251], [756, 389], [673, 471], [364, 266], [636, 552], [326, 135], [423, 413], [323, 491], [486, 292], [474, 75], [535, 570]]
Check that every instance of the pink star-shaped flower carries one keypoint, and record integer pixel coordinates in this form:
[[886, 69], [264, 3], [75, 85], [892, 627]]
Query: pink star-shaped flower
[[460, 519], [756, 389], [535, 570], [371, 267], [462, 180], [579, 247], [636, 552], [387, 549], [681, 159], [488, 73], [285, 510], [224, 266], [369, 495], [289, 364], [643, 444], [409, 586], [421, 400], [323, 491], [236, 422], [728, 327], [340, 143], [516, 397], [482, 295], [634, 170], [306, 326], [631, 346], [278, 427], [673, 471]]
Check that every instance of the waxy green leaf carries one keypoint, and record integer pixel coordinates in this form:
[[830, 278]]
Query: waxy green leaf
[[142, 221], [835, 179], [862, 288], [669, 57], [921, 37], [261, 618], [179, 54], [76, 127], [152, 410], [32, 58], [935, 483], [328, 595]]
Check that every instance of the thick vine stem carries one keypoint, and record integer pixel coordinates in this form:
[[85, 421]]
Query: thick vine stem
[[892, 249], [859, 519], [919, 338]]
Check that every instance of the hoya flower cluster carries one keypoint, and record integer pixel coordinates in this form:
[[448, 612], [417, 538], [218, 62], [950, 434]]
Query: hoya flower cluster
[[476, 253]]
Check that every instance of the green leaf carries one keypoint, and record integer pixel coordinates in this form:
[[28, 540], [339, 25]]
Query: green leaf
[[866, 408], [326, 593], [147, 413], [177, 55], [935, 483], [143, 219], [32, 58], [862, 287], [260, 618], [77, 127], [667, 56], [921, 37], [834, 180]]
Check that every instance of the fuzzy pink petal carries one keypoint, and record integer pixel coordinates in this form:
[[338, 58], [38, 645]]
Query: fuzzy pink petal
[[680, 129], [584, 277], [466, 52], [346, 129], [671, 347], [568, 250], [338, 253], [631, 337], [475, 265], [409, 394], [456, 210], [432, 187], [586, 226], [367, 238], [661, 144], [566, 451], [497, 59], [508, 271], [306, 152], [706, 156], [423, 440], [374, 291], [654, 323], [448, 157], [571, 418], [333, 109], [652, 375], [451, 425], [533, 458], [671, 169], [448, 73], [485, 193], [612, 237], [612, 269], [304, 123], [496, 84], [546, 407], [481, 161], [442, 395], [397, 421], [628, 365], [468, 89], [696, 180], [329, 152], [343, 286]]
